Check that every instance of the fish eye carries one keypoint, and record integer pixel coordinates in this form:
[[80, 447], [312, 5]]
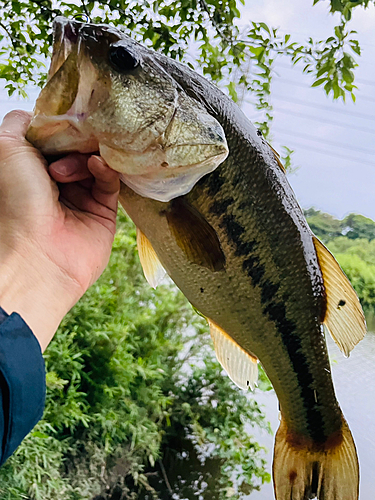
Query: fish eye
[[121, 59]]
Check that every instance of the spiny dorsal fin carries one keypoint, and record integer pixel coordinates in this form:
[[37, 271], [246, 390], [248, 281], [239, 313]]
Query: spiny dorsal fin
[[242, 367], [277, 157], [344, 317], [153, 270], [195, 236]]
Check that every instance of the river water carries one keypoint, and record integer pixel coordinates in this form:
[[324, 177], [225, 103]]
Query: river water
[[354, 380]]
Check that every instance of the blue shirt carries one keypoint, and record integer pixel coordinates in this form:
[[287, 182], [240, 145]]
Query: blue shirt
[[22, 382]]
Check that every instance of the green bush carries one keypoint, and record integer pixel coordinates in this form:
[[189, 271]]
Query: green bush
[[129, 372]]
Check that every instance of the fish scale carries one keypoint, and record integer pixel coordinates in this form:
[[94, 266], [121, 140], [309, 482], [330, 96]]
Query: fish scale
[[245, 244]]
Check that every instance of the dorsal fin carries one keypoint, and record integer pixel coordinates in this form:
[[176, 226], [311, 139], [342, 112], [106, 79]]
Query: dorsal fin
[[153, 270], [344, 317], [242, 367], [195, 236], [277, 157]]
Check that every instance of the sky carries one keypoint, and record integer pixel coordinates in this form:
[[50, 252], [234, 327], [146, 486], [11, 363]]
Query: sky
[[332, 140]]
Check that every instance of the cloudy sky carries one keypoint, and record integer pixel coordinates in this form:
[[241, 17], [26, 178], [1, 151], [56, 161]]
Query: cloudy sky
[[332, 140]]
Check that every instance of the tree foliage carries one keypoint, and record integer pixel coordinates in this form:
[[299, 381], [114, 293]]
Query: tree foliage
[[231, 56], [327, 227], [131, 384], [352, 242]]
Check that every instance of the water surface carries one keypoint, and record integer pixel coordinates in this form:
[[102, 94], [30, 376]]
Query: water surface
[[354, 380]]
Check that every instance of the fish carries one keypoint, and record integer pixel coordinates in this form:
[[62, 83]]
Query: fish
[[239, 248], [98, 97]]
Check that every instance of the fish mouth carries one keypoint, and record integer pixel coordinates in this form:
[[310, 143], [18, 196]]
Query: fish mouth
[[60, 113], [65, 41]]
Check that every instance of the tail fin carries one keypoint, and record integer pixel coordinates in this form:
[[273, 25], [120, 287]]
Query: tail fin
[[302, 470]]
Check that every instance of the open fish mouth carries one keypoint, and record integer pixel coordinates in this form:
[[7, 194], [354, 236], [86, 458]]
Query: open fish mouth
[[59, 121], [65, 40], [106, 93]]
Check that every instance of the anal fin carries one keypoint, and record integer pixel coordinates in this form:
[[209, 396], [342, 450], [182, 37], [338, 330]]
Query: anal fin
[[242, 367], [153, 270], [344, 317]]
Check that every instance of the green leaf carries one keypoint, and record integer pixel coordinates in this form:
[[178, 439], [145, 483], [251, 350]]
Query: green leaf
[[319, 82], [265, 27], [348, 75]]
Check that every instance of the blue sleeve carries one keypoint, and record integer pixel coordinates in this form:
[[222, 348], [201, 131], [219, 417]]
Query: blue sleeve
[[22, 382]]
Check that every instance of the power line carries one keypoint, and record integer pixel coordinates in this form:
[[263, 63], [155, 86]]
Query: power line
[[308, 35], [335, 155], [324, 141], [364, 81], [366, 130], [307, 86], [325, 108]]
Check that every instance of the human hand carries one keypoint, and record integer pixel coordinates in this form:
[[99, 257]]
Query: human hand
[[55, 240]]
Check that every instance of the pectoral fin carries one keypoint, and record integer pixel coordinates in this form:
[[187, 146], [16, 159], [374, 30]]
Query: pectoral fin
[[242, 367], [194, 235], [153, 270], [344, 317]]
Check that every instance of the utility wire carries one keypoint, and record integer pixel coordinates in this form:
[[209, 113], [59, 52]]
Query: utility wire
[[326, 152], [324, 141], [366, 130], [325, 108], [307, 86], [359, 80]]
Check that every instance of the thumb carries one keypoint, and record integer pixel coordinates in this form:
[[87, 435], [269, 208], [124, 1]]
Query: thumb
[[15, 124]]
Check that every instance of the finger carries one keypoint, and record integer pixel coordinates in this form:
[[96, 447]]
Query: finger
[[107, 182], [71, 168], [76, 197], [15, 123]]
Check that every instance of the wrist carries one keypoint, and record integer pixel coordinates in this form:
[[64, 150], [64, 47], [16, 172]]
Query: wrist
[[35, 288]]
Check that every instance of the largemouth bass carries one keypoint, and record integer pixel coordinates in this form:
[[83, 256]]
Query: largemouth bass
[[238, 247]]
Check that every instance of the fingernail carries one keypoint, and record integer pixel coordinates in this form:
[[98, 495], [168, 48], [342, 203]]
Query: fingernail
[[100, 159], [65, 166]]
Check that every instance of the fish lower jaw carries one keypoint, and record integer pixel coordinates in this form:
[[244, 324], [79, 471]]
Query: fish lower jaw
[[60, 134]]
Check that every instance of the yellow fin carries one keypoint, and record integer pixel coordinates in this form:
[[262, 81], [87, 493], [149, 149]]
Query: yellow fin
[[277, 157], [195, 236], [302, 469], [153, 270], [344, 317], [242, 367]]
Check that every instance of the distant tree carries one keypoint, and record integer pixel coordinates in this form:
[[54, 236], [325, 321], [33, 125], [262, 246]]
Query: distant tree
[[323, 225], [327, 227], [357, 226], [361, 247]]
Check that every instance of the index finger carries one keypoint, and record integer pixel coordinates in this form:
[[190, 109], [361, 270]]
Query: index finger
[[107, 182], [15, 123]]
